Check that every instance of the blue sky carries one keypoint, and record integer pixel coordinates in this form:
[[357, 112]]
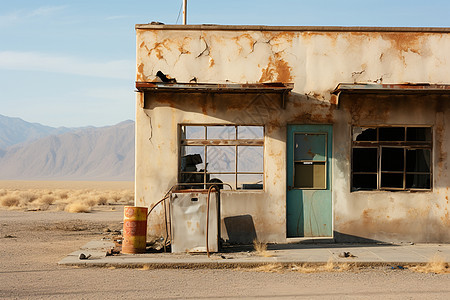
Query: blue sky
[[72, 63]]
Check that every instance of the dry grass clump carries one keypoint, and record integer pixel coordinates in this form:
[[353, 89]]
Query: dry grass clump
[[10, 201], [81, 200], [47, 199], [102, 200], [330, 266], [270, 268], [436, 265], [261, 248], [306, 268], [78, 207], [28, 197]]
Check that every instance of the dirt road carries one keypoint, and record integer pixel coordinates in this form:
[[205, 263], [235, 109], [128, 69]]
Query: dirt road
[[32, 243]]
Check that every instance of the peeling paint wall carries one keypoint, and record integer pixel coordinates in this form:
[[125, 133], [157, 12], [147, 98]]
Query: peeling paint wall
[[315, 61]]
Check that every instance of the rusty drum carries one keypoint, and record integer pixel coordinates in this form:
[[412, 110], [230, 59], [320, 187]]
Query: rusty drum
[[134, 229]]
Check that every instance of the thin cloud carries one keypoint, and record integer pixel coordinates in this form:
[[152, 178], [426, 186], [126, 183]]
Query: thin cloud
[[46, 10], [24, 15], [34, 61]]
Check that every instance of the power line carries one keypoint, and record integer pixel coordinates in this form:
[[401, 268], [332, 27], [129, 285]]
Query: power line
[[179, 12]]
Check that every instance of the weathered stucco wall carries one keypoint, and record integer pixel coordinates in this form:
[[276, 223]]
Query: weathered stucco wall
[[384, 215], [315, 61]]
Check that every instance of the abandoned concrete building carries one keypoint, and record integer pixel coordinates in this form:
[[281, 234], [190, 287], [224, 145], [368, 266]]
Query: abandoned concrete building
[[312, 133]]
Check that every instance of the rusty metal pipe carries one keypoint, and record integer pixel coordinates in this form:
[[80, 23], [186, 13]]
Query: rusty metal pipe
[[207, 215]]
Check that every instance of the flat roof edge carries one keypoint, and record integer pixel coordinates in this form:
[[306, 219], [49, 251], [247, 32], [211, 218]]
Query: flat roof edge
[[292, 28]]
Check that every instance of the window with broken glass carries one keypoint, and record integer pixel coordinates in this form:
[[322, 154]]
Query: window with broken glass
[[391, 158], [230, 156]]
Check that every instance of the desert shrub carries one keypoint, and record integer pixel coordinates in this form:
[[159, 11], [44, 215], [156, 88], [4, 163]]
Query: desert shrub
[[436, 265], [90, 201], [102, 200], [261, 248], [116, 197], [77, 207], [47, 199], [129, 198], [10, 201], [3, 193], [28, 197], [63, 195]]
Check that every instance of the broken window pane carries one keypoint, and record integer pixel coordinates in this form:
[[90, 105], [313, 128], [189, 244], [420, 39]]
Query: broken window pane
[[196, 180], [364, 181], [365, 159], [392, 180], [364, 134], [192, 132], [221, 132], [392, 159], [400, 159], [221, 158], [419, 134], [250, 181], [250, 132], [192, 158], [418, 160], [250, 159], [392, 133], [418, 181], [309, 146]]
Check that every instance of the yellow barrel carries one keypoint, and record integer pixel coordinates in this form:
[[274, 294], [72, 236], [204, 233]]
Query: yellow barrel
[[134, 229]]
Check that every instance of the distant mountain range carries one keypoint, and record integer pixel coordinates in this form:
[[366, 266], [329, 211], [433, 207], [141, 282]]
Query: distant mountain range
[[31, 151]]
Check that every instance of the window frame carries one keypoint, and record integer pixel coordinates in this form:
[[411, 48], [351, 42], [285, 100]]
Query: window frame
[[215, 142], [402, 144]]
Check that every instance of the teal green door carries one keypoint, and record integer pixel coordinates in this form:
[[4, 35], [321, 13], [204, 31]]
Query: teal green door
[[308, 206]]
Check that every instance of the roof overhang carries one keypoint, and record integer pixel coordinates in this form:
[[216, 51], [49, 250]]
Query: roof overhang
[[394, 89], [217, 88]]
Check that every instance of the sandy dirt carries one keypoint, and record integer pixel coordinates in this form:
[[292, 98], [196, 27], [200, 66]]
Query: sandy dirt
[[33, 242]]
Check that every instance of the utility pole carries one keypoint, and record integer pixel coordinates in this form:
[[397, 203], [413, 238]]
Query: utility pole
[[184, 12]]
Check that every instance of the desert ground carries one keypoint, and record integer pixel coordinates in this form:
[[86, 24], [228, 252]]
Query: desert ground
[[36, 234]]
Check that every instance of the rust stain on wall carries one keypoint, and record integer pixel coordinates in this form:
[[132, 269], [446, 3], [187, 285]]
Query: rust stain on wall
[[441, 149], [158, 48], [277, 70], [140, 73], [247, 37], [211, 62], [182, 45], [405, 42], [267, 73], [446, 219]]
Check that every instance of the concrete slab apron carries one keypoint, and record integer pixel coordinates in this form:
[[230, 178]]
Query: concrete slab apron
[[359, 255]]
